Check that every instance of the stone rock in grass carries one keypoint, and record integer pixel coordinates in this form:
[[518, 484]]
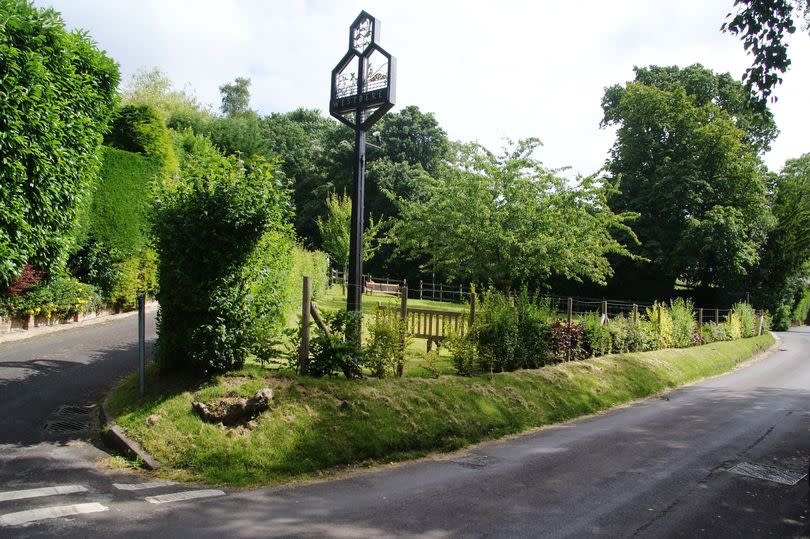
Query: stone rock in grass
[[152, 419], [232, 411]]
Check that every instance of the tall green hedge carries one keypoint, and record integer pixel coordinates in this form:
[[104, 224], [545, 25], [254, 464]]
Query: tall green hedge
[[141, 129], [57, 92]]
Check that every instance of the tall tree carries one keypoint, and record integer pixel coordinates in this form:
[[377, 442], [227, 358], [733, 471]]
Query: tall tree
[[762, 25], [509, 220], [59, 92], [414, 137], [689, 167], [235, 97]]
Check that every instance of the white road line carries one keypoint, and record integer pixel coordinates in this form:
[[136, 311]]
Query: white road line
[[184, 495], [143, 486], [37, 492], [23, 517]]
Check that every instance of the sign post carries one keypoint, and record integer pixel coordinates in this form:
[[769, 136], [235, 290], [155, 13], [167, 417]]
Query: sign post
[[363, 90]]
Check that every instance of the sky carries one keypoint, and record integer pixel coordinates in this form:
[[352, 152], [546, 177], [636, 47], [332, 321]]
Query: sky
[[488, 71]]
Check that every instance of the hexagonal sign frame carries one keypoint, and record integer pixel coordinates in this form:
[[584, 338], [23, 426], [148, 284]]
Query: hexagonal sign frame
[[364, 81]]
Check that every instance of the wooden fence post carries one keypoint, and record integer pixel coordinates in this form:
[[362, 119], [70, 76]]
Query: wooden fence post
[[472, 309], [700, 317], [635, 314], [460, 293], [604, 312], [420, 288], [303, 351], [761, 322], [717, 316], [403, 315]]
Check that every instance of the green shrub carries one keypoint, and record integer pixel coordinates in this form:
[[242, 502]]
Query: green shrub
[[749, 321], [714, 332], [338, 352], [464, 353], [801, 312], [734, 325], [568, 343], [94, 263], [58, 92], [661, 319], [386, 345], [648, 335], [781, 318], [683, 322], [58, 297], [208, 227], [136, 275], [534, 317], [597, 334], [625, 336], [140, 129]]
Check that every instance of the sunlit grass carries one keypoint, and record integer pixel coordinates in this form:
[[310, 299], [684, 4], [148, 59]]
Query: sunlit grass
[[316, 426]]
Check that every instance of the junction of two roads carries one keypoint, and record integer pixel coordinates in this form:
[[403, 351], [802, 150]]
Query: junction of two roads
[[723, 457]]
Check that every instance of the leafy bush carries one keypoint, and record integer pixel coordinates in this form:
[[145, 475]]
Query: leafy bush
[[683, 322], [625, 336], [59, 297], [648, 335], [749, 321], [597, 335], [713, 332], [661, 319], [29, 277], [136, 275], [58, 92], [801, 312], [338, 352], [208, 227], [568, 342], [386, 344], [733, 324], [781, 318], [93, 263], [140, 129]]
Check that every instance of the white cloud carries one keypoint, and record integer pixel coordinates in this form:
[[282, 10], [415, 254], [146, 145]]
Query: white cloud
[[487, 70]]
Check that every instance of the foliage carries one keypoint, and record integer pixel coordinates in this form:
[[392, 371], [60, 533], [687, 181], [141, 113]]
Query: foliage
[[733, 324], [510, 220], [153, 88], [414, 137], [58, 297], [597, 334], [781, 318], [749, 321], [763, 25], [338, 352], [118, 216], [384, 351], [625, 336], [207, 227], [94, 263], [136, 275], [683, 322], [335, 230], [141, 129], [58, 93], [801, 311], [29, 277], [714, 332], [235, 97], [685, 159], [568, 342], [661, 319]]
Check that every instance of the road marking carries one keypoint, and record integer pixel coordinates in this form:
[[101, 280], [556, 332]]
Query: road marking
[[32, 515], [143, 486], [37, 492], [184, 495]]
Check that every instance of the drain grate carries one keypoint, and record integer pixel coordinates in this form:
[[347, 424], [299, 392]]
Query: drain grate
[[475, 462], [66, 426], [67, 410], [768, 473]]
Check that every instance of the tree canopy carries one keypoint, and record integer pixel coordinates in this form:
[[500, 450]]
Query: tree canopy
[[509, 220], [689, 168]]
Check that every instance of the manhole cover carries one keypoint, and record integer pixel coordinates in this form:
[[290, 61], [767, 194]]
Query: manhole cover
[[66, 426], [768, 473]]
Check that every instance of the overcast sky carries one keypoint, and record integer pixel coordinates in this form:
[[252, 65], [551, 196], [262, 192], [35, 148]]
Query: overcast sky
[[487, 70]]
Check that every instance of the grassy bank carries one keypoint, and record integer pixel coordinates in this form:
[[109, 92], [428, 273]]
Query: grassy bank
[[317, 425]]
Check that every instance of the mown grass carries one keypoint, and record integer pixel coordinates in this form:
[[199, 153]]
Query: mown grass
[[316, 426]]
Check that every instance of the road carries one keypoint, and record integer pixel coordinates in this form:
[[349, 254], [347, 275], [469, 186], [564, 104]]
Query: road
[[672, 466]]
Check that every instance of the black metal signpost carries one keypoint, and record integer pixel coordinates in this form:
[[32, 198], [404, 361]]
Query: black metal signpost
[[363, 90]]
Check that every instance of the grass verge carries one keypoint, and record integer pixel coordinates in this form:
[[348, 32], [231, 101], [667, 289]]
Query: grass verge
[[316, 426]]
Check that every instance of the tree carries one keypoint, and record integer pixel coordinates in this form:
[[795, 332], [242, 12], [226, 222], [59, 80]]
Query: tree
[[785, 264], [153, 88], [335, 231], [59, 92], [235, 97], [762, 25], [414, 137], [509, 220], [689, 168]]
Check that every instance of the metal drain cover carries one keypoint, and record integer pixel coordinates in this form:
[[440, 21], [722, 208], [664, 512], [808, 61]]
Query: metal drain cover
[[66, 426], [768, 473], [69, 419]]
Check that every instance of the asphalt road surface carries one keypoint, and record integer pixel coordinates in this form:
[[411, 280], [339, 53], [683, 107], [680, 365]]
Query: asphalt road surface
[[715, 459]]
